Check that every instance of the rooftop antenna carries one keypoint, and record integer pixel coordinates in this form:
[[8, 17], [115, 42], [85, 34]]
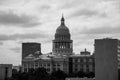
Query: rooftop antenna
[[62, 20]]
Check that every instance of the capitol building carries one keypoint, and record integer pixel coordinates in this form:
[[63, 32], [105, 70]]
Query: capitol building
[[61, 57]]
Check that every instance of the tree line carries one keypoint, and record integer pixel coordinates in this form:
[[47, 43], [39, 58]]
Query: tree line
[[41, 74]]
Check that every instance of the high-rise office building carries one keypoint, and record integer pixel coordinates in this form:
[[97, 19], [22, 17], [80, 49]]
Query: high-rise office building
[[106, 59], [30, 49]]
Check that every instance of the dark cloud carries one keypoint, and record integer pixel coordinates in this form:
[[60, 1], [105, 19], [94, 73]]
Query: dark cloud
[[3, 1], [22, 36], [84, 12], [87, 13], [1, 43], [102, 30], [10, 18]]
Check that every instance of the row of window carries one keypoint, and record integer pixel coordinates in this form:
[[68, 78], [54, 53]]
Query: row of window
[[36, 65], [83, 70], [41, 65], [83, 60], [87, 69], [81, 66], [62, 45], [60, 51], [27, 69]]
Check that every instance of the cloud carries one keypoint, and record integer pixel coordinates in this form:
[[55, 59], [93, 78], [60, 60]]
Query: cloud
[[92, 8], [10, 18], [44, 7], [9, 57], [84, 12], [102, 30], [1, 43], [22, 36], [16, 49], [87, 13], [92, 14], [9, 2], [3, 1]]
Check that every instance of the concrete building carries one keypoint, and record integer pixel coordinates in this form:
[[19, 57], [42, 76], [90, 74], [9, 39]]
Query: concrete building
[[30, 48], [49, 62], [5, 71], [83, 63], [106, 59]]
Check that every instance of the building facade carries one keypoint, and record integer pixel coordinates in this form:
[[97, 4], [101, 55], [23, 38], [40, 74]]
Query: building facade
[[5, 71], [49, 62], [106, 59], [71, 64], [62, 57], [84, 63]]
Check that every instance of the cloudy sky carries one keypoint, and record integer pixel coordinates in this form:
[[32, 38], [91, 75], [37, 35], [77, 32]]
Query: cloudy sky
[[37, 20]]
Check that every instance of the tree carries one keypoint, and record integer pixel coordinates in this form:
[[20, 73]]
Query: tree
[[32, 74], [90, 75], [72, 75], [81, 74], [59, 75], [42, 74]]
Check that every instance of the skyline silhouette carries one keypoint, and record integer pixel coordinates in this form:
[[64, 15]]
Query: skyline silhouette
[[37, 20]]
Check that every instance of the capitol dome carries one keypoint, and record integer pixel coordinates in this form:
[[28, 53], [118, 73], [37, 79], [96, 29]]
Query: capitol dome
[[62, 44], [62, 32]]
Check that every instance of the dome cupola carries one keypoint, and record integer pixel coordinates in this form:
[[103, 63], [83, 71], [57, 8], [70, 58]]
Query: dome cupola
[[62, 32]]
